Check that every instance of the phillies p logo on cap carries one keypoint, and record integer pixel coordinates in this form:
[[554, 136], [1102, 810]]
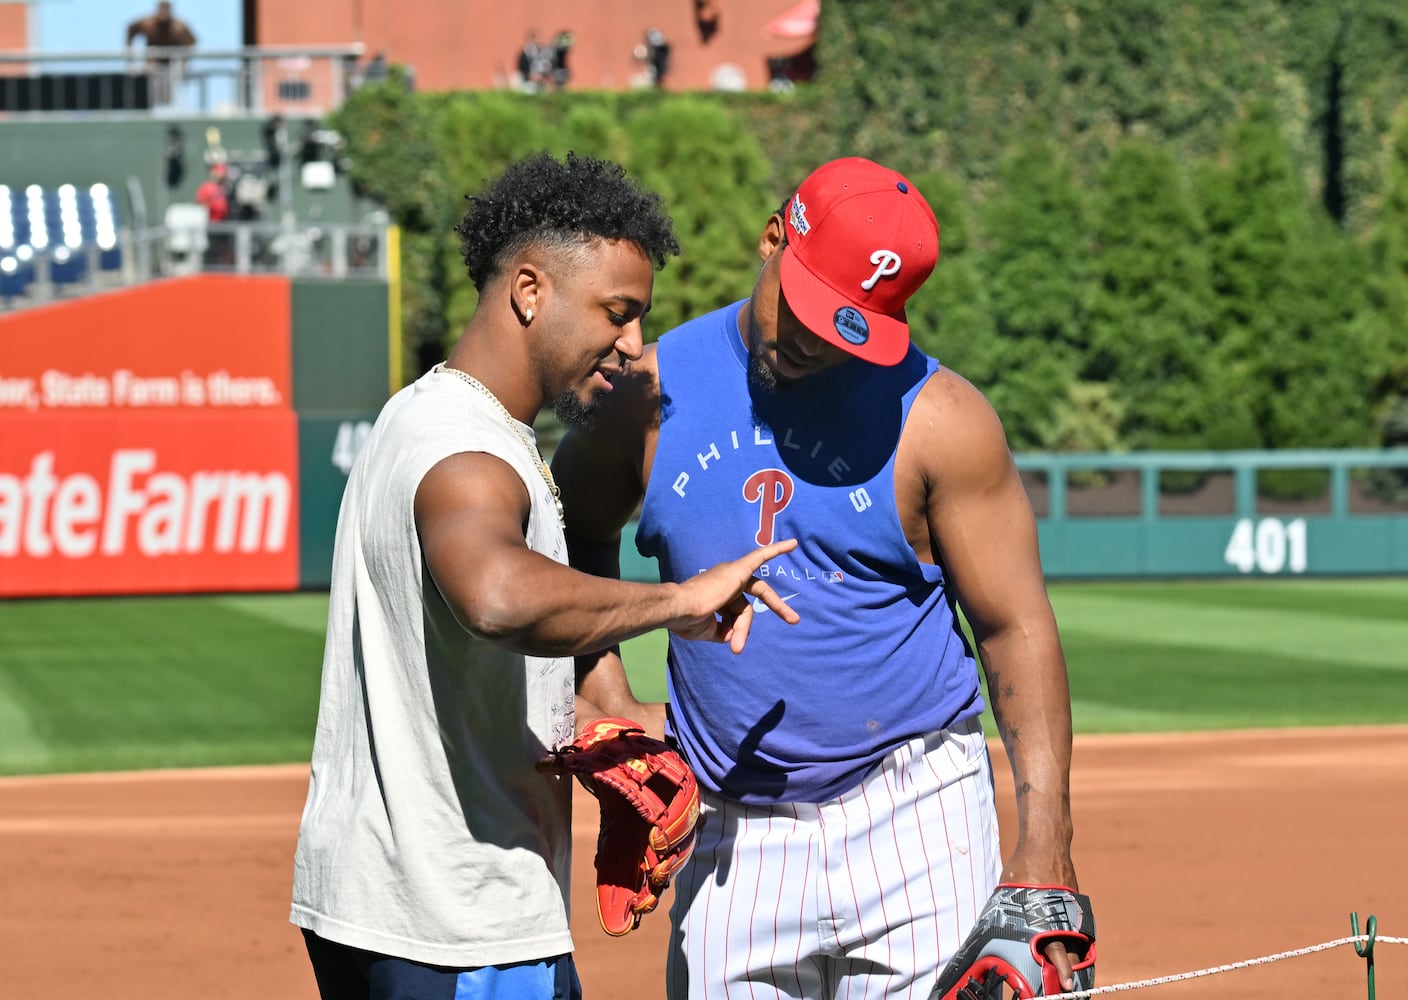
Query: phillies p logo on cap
[[861, 239]]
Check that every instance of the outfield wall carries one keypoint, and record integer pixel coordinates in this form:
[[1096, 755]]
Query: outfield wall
[[186, 435], [1207, 514]]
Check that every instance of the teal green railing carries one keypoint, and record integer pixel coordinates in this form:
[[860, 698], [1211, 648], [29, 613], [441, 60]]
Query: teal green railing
[[1277, 513], [1207, 514]]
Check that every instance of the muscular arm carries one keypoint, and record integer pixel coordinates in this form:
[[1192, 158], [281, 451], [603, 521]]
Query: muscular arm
[[981, 526], [471, 510]]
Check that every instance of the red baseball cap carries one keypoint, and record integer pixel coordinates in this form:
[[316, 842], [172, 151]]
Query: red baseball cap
[[861, 239]]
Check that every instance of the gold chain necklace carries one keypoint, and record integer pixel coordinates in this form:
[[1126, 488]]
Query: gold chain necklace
[[518, 429]]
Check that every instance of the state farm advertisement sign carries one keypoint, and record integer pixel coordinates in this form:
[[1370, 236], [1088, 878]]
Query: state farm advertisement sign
[[218, 341], [147, 442], [90, 504]]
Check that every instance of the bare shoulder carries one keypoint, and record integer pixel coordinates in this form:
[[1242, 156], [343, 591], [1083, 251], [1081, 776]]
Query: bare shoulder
[[468, 484], [953, 430], [950, 393]]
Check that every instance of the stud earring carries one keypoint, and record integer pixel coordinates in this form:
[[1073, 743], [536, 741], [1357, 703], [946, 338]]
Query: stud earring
[[527, 315]]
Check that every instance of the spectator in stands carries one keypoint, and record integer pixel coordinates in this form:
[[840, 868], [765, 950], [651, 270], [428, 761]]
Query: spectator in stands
[[173, 155], [706, 19], [310, 144], [213, 194], [779, 80], [657, 56], [275, 146], [561, 45], [534, 64], [215, 151], [162, 30], [275, 141], [377, 69]]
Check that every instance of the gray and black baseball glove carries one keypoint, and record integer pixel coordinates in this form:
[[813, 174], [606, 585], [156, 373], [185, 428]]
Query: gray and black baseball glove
[[1006, 947]]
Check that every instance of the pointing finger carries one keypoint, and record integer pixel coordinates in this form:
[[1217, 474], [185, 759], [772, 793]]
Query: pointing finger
[[757, 588], [753, 560]]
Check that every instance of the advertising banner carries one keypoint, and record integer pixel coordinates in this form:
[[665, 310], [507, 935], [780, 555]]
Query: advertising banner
[[148, 442], [102, 503], [208, 342]]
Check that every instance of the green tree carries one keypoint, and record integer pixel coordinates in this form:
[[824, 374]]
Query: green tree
[[716, 180], [394, 158], [955, 83], [1386, 319], [392, 151], [1351, 57], [1151, 313], [950, 317], [1289, 285], [478, 135], [1132, 200], [1254, 208], [1038, 258]]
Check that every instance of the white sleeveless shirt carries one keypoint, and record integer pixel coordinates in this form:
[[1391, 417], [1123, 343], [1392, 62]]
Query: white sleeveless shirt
[[427, 833]]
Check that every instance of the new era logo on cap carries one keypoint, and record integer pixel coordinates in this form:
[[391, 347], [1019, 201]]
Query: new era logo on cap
[[860, 241]]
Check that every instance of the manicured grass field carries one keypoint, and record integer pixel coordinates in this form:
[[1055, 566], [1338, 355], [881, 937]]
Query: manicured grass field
[[138, 682], [110, 683]]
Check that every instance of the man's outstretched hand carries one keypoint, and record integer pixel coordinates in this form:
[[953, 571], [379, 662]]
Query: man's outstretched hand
[[722, 599]]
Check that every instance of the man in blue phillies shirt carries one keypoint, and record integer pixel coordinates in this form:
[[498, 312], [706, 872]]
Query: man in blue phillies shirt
[[849, 837]]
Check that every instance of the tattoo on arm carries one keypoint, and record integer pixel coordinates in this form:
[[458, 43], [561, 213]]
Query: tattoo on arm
[[1001, 693], [994, 682], [998, 687]]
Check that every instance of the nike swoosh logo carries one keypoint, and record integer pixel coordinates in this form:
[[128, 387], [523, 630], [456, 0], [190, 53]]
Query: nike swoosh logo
[[759, 608]]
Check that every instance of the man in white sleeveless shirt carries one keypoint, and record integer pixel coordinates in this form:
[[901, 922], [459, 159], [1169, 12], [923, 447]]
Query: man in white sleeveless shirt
[[432, 859]]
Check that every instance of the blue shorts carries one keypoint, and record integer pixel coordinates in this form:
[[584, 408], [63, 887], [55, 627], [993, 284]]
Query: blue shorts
[[344, 972]]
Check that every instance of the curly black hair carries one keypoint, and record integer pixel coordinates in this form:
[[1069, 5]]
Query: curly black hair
[[542, 200]]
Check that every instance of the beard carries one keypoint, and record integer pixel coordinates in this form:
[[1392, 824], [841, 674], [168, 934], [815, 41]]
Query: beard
[[573, 412], [760, 376]]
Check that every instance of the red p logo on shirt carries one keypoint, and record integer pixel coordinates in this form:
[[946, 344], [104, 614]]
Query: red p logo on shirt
[[772, 488]]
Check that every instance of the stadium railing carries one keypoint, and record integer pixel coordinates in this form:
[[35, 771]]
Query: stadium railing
[[67, 241], [1221, 513], [1292, 513], [306, 81]]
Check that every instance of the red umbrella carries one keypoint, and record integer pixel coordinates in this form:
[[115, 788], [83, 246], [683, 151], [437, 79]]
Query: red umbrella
[[795, 22]]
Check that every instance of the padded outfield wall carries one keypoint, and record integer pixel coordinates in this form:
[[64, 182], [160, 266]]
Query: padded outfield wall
[[1200, 515], [190, 434]]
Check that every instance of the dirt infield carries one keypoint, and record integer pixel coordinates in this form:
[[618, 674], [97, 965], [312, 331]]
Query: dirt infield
[[1197, 851]]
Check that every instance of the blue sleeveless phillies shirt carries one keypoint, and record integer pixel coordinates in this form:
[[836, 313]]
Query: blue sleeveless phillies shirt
[[807, 710]]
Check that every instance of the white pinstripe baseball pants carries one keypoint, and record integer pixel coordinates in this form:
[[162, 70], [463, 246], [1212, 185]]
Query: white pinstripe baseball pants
[[866, 895]]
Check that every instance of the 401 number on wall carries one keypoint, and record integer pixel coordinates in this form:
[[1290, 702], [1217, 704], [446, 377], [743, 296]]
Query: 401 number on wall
[[1267, 545]]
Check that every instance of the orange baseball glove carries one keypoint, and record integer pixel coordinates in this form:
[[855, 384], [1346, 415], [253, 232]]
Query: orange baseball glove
[[649, 808]]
